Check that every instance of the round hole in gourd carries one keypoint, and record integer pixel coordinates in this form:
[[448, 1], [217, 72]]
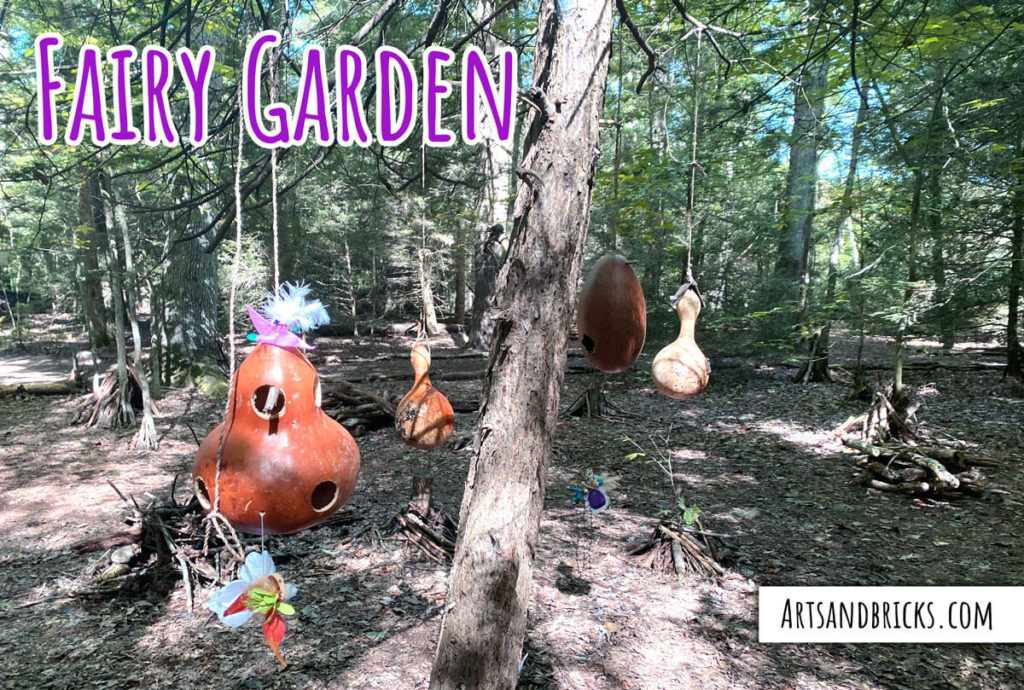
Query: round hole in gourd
[[268, 401], [202, 494], [325, 494]]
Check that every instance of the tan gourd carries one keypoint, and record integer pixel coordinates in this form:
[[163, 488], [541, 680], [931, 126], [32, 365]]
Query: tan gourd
[[424, 418], [680, 370]]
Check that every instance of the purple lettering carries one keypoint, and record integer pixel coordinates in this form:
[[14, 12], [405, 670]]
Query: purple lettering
[[435, 89], [121, 57], [48, 86], [313, 87], [157, 74], [394, 127], [197, 81]]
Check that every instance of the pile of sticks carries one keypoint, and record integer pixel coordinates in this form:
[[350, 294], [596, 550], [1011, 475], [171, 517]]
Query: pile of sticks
[[681, 550], [424, 526], [920, 470], [356, 409], [163, 537]]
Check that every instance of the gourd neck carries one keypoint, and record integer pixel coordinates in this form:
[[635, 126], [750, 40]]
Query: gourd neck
[[420, 359], [688, 308]]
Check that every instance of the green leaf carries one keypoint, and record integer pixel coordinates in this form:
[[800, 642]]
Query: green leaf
[[286, 609]]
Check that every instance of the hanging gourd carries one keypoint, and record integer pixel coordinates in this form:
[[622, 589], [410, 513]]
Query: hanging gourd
[[612, 315], [424, 417], [680, 370], [285, 465]]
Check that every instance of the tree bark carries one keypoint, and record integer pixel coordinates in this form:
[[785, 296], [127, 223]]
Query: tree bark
[[92, 244], [495, 161], [145, 437], [1014, 355], [488, 264], [792, 267], [816, 368], [429, 313], [460, 274], [189, 300], [482, 632], [933, 215], [125, 416]]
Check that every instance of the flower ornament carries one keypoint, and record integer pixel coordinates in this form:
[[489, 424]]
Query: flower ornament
[[594, 497], [259, 590], [286, 315]]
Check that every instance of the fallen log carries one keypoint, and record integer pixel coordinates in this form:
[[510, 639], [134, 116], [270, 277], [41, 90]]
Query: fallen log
[[49, 388], [944, 479]]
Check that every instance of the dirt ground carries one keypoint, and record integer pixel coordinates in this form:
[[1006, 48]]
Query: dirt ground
[[759, 456]]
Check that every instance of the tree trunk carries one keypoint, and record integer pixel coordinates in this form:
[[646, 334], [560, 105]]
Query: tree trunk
[[943, 309], [145, 437], [104, 215], [488, 263], [189, 297], [92, 244], [482, 632], [495, 162], [1014, 355], [792, 267], [460, 273], [816, 368], [429, 313]]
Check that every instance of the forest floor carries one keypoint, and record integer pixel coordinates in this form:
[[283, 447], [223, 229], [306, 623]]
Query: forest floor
[[758, 455]]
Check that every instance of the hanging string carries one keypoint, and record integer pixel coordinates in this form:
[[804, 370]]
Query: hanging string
[[422, 330], [273, 185], [236, 263], [694, 77]]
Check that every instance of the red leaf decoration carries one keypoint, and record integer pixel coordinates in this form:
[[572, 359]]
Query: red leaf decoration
[[238, 606], [274, 629]]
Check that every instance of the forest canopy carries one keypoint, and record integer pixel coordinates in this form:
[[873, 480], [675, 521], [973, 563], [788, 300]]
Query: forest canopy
[[850, 160]]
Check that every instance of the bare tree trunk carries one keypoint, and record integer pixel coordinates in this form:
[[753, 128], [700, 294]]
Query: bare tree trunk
[[92, 244], [492, 209], [460, 273], [188, 293], [816, 368], [429, 313], [914, 164], [942, 310], [482, 631], [1014, 355], [350, 281], [792, 267], [488, 264], [104, 213], [145, 437], [908, 293]]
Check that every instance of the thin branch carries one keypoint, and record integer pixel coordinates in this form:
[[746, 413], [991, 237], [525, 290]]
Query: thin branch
[[635, 33]]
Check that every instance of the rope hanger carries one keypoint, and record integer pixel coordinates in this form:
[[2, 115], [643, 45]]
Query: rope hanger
[[215, 517]]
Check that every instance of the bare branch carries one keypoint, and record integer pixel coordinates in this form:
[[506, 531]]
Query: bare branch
[[635, 33]]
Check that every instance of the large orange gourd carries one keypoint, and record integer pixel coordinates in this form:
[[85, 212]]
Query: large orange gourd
[[424, 417], [680, 370], [612, 315], [283, 457]]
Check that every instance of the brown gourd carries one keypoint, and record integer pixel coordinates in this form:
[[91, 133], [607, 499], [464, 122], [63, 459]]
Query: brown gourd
[[286, 465], [612, 315], [680, 370], [424, 418]]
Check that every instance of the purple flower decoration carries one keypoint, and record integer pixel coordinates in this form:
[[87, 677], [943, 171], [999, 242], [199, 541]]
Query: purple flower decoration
[[597, 500]]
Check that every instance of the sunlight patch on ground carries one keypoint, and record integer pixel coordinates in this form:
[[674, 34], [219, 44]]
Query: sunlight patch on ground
[[32, 369]]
